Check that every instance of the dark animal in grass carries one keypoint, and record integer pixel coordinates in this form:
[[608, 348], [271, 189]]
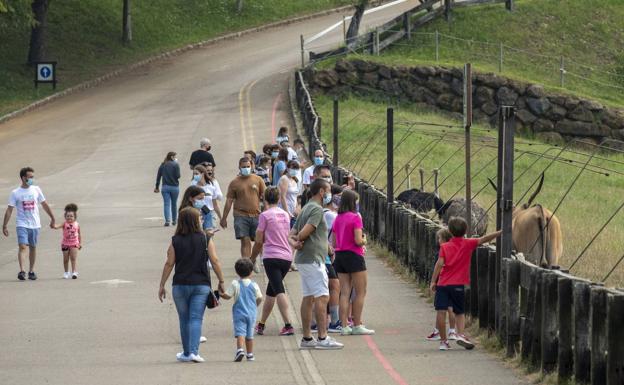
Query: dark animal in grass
[[540, 245], [456, 207], [419, 200]]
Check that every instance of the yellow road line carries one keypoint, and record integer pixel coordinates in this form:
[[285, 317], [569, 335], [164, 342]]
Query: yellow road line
[[250, 130], [241, 106]]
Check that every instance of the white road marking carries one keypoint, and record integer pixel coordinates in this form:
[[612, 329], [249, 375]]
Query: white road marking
[[111, 282]]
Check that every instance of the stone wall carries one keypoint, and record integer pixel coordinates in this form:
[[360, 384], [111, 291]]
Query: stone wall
[[550, 117]]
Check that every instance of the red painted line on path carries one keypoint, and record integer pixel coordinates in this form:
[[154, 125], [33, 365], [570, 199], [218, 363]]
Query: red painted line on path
[[276, 103], [384, 362]]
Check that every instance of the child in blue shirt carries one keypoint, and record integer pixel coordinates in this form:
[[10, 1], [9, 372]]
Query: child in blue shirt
[[247, 296]]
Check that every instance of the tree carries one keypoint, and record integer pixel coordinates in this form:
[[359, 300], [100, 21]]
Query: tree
[[38, 35], [239, 6], [126, 35], [354, 26]]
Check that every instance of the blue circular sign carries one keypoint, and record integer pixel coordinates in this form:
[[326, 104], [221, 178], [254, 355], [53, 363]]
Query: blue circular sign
[[45, 72]]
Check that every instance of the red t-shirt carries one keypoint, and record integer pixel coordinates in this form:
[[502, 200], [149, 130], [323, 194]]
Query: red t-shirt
[[457, 253]]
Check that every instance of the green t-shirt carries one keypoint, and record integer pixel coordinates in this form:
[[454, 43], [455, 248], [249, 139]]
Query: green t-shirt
[[315, 247]]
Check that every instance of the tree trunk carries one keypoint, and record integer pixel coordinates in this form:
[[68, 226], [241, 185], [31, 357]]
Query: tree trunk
[[127, 23], [37, 50], [239, 6], [354, 26]]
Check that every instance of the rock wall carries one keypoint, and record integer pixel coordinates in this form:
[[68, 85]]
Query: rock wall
[[550, 117]]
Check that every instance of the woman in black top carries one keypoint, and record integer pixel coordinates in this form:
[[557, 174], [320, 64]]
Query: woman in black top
[[169, 172], [188, 253]]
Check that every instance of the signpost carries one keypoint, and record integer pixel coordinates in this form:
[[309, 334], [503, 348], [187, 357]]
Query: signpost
[[467, 125], [45, 72]]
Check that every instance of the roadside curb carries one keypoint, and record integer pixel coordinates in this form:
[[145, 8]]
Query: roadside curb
[[176, 52]]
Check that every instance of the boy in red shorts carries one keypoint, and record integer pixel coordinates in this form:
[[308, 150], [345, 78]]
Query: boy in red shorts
[[451, 273]]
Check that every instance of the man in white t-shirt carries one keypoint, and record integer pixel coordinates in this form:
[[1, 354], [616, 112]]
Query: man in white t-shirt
[[308, 174], [25, 200]]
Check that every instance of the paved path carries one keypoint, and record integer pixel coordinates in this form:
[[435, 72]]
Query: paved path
[[100, 148]]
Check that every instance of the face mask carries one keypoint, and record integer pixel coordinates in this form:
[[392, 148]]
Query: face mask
[[198, 204], [318, 160], [293, 172], [274, 154], [245, 171], [30, 181], [327, 198], [328, 179], [196, 178]]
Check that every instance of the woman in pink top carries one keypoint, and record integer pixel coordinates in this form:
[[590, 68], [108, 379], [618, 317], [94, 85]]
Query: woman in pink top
[[349, 241], [272, 242], [72, 240]]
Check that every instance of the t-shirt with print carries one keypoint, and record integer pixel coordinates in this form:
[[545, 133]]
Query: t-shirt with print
[[26, 202], [457, 254], [315, 247], [247, 192], [344, 228], [275, 223]]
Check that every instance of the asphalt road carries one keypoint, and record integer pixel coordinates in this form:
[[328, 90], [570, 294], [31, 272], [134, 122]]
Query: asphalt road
[[100, 149]]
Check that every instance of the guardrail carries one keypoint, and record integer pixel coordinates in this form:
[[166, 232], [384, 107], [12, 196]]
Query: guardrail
[[556, 322]]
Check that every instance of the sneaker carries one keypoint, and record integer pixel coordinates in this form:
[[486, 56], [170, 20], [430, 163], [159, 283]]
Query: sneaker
[[328, 344], [174, 223], [202, 339], [293, 267], [434, 336], [314, 328], [182, 357], [335, 328], [308, 344], [444, 345], [21, 275], [350, 321], [240, 354], [361, 330], [75, 275], [32, 276], [260, 329], [452, 336], [346, 331], [287, 331], [66, 275], [464, 342], [196, 358], [250, 357], [166, 224], [256, 268]]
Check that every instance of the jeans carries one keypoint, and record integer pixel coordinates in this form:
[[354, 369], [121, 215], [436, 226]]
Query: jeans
[[170, 198], [190, 301], [207, 221]]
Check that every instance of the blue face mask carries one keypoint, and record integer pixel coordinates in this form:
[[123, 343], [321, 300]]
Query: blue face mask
[[245, 171], [318, 160], [274, 154], [198, 204], [327, 198], [196, 178], [293, 172], [30, 181]]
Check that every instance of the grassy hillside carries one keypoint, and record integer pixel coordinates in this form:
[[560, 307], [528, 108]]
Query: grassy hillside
[[594, 197], [589, 35], [85, 36]]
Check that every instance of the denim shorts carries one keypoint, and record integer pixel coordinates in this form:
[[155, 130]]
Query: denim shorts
[[244, 327], [245, 227], [26, 236]]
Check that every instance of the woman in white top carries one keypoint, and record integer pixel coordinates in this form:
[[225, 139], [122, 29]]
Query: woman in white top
[[213, 191], [289, 190]]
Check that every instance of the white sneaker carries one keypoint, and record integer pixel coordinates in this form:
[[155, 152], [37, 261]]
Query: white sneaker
[[196, 358], [308, 344], [182, 358], [328, 344], [361, 330], [444, 345], [256, 268], [75, 275], [66, 275], [452, 336], [464, 342], [202, 339]]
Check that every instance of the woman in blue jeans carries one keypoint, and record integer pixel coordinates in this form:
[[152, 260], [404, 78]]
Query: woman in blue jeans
[[188, 254], [169, 172]]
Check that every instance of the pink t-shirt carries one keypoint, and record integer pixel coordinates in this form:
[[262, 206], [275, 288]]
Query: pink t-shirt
[[275, 223], [344, 230], [71, 236]]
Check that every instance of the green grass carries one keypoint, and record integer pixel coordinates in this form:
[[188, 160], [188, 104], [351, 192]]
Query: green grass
[[589, 33], [587, 207], [85, 36]]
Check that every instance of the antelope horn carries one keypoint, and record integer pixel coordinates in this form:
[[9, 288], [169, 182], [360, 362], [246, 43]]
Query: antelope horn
[[537, 191], [493, 184], [436, 172]]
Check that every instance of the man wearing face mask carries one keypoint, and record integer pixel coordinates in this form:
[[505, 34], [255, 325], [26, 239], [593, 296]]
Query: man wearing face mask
[[320, 172], [244, 193], [202, 155], [26, 199], [308, 174], [309, 237]]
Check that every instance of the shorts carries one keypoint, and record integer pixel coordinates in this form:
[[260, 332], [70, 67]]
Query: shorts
[[314, 280], [26, 236], [451, 296], [347, 262], [245, 227], [331, 272], [244, 326], [66, 248], [275, 269]]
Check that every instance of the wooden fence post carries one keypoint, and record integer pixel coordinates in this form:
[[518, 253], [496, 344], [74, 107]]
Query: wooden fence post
[[598, 321], [527, 326], [513, 307], [492, 290], [407, 25], [448, 4], [474, 287], [390, 154], [482, 273], [335, 134], [615, 359], [549, 353], [509, 5], [582, 352], [536, 346], [565, 357], [502, 302]]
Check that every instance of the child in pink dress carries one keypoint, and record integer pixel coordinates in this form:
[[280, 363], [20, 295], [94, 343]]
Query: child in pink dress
[[72, 240]]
